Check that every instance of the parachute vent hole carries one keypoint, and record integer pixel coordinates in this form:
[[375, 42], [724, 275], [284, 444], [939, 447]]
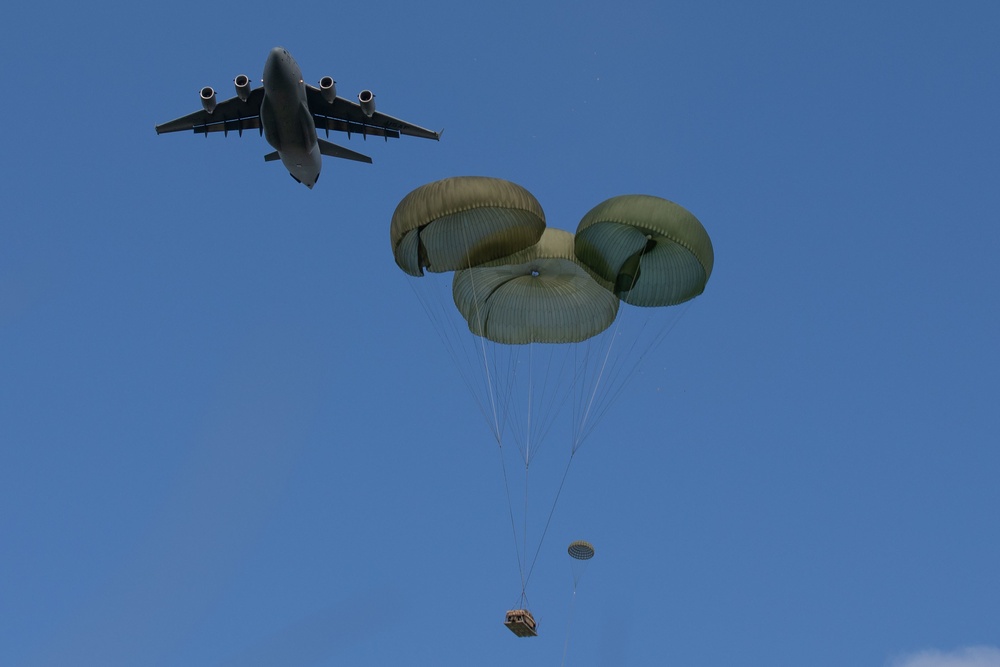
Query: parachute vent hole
[[534, 273]]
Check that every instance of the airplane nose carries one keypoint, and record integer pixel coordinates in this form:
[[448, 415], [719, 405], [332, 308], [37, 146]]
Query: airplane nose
[[272, 68]]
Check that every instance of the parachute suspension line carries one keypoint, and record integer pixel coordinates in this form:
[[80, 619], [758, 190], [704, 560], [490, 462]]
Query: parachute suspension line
[[513, 525], [553, 398], [521, 602], [462, 353], [524, 535], [482, 346], [613, 386], [569, 624], [617, 383], [524, 440], [607, 390], [582, 381], [498, 432], [548, 521], [450, 335], [542, 378], [493, 406], [527, 459], [580, 429], [577, 440], [491, 394], [498, 428]]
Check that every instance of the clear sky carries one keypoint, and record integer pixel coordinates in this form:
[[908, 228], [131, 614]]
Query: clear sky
[[229, 434]]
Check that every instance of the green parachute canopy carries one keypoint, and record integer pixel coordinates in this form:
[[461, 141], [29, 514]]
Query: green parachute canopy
[[651, 251], [541, 294], [581, 550], [463, 221]]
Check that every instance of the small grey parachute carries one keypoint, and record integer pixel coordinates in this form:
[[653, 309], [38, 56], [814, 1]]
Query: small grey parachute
[[581, 550]]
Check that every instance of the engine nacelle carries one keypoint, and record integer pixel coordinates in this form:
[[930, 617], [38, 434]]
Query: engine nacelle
[[328, 87], [242, 83], [208, 98], [367, 100]]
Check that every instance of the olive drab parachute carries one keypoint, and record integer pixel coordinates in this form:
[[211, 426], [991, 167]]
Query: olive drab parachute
[[539, 295], [463, 221], [652, 252]]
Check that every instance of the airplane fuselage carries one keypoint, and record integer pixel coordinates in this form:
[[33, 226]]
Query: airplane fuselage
[[286, 120]]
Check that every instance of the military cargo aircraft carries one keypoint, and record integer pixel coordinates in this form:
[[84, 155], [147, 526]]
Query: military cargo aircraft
[[288, 112]]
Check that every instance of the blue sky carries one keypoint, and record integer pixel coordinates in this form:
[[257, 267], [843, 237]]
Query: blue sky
[[229, 435]]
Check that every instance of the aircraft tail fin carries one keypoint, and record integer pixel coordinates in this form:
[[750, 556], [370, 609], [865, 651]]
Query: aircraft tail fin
[[271, 157], [333, 150]]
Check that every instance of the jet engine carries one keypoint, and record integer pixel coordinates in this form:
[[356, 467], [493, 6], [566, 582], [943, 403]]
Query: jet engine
[[328, 87], [367, 100], [208, 99], [242, 87]]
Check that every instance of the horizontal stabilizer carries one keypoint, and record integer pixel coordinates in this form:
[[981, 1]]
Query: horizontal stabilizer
[[271, 157], [333, 150]]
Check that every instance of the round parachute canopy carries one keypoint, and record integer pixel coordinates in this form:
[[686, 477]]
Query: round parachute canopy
[[539, 295], [581, 550], [463, 221], [652, 251]]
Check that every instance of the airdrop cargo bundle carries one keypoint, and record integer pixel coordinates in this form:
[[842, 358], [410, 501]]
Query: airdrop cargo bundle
[[521, 623]]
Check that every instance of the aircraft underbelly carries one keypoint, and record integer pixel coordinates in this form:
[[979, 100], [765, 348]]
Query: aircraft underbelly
[[289, 127], [285, 117], [303, 165], [269, 123], [286, 120]]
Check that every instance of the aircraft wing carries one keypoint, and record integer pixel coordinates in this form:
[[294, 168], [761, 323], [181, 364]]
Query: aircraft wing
[[344, 115], [232, 115]]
